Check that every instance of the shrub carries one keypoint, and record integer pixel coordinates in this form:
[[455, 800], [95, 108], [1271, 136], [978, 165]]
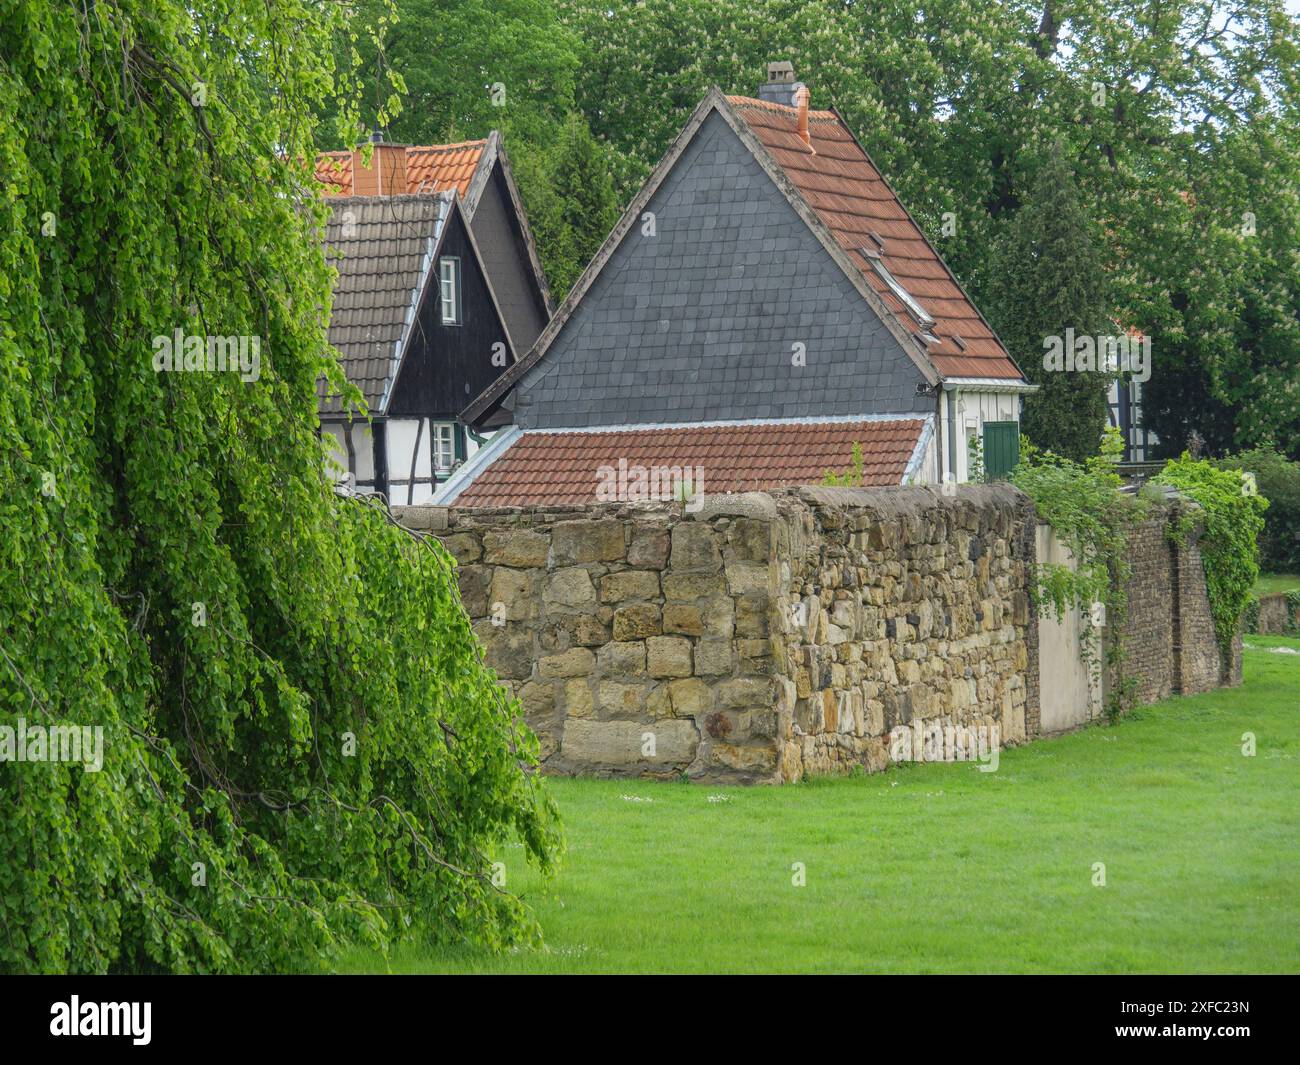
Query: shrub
[[1278, 481]]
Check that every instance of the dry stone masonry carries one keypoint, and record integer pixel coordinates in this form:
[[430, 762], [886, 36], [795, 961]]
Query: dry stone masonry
[[768, 636]]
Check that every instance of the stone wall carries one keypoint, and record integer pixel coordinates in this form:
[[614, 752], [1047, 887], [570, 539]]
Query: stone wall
[[637, 638], [766, 636], [897, 606], [1277, 615]]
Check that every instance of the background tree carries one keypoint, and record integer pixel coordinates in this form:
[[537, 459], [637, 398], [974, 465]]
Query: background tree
[[1178, 119], [301, 745], [1046, 278]]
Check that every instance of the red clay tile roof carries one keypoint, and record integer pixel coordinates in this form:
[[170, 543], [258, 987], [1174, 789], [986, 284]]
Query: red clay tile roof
[[848, 193], [553, 468], [431, 168]]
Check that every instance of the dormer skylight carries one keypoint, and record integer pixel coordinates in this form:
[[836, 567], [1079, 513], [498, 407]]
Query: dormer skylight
[[904, 297]]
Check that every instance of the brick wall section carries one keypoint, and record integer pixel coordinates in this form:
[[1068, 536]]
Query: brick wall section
[[1148, 644], [769, 636], [1276, 615], [1201, 665], [1169, 638]]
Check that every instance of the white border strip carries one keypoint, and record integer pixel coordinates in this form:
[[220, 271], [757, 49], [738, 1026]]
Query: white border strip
[[838, 419], [918, 452]]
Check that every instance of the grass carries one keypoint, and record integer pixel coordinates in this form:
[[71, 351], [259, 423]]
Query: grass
[[941, 868], [1271, 583]]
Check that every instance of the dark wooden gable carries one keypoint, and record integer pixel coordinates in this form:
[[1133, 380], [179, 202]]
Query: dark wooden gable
[[502, 242], [445, 366]]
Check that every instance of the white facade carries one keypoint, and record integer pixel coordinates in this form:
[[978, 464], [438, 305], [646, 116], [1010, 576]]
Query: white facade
[[964, 411], [421, 455]]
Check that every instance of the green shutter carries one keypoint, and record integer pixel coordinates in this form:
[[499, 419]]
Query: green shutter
[[1001, 448], [458, 434]]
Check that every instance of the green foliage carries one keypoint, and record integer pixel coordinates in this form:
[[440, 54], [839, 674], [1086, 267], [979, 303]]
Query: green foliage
[[1093, 518], [571, 202], [1048, 278], [178, 570], [1278, 481], [850, 478], [1233, 517], [975, 460]]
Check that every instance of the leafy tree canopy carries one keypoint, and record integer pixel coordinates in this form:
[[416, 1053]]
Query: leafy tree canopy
[[300, 743]]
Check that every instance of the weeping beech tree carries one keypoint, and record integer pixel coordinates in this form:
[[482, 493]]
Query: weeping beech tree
[[301, 745]]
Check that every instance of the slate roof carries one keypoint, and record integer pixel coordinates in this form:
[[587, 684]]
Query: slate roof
[[555, 467], [382, 247], [843, 186], [429, 168], [842, 198]]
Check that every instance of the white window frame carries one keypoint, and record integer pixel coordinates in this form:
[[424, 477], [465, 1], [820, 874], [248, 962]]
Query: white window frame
[[449, 289], [442, 438]]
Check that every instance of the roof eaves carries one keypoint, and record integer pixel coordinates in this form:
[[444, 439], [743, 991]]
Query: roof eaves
[[637, 427], [918, 453], [482, 170], [462, 478]]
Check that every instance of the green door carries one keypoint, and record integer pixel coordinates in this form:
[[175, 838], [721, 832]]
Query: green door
[[1001, 448]]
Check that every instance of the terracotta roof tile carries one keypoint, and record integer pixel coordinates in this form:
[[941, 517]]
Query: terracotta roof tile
[[847, 192], [429, 168], [555, 468]]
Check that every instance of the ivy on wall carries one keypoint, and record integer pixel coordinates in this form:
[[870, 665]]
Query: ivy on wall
[[1232, 517]]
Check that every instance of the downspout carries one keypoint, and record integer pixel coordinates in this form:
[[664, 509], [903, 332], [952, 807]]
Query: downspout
[[952, 432]]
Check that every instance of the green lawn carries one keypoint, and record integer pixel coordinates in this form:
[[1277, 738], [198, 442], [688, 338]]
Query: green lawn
[[941, 868], [1269, 583]]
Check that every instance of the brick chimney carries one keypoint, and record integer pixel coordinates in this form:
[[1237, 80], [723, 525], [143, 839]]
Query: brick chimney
[[780, 87], [386, 174]]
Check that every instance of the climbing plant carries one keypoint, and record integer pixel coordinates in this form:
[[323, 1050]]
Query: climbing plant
[[1084, 505], [301, 746], [1231, 514]]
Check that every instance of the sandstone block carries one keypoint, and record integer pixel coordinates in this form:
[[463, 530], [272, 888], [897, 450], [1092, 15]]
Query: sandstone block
[[668, 656], [588, 541], [515, 547], [637, 622]]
